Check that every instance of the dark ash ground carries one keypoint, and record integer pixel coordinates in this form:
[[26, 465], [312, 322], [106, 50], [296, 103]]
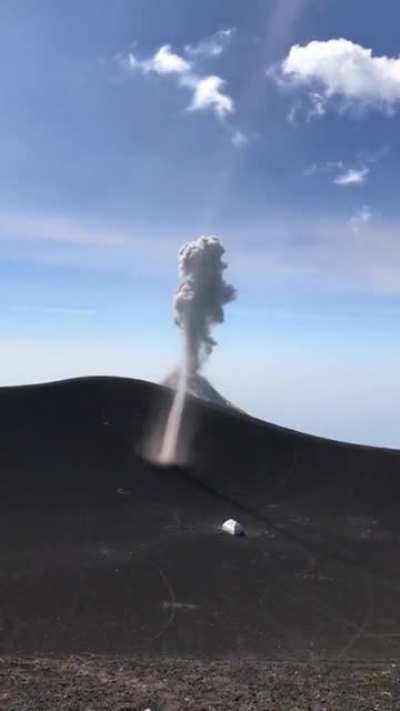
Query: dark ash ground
[[124, 601], [93, 683]]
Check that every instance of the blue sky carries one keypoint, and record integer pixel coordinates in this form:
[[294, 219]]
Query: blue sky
[[128, 128]]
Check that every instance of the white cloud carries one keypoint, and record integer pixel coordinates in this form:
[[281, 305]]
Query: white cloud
[[342, 70], [361, 218], [348, 175], [212, 46], [207, 90], [239, 139], [164, 61], [208, 94], [352, 176]]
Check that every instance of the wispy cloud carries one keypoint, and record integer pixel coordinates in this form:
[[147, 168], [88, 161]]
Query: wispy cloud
[[57, 310], [212, 46], [361, 218], [239, 139], [361, 251], [341, 74], [57, 228], [87, 242], [69, 311], [208, 92], [375, 156], [352, 176], [349, 174], [315, 108], [311, 169], [164, 61], [358, 253], [328, 166]]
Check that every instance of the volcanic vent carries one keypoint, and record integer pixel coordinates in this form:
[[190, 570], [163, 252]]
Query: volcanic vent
[[198, 386]]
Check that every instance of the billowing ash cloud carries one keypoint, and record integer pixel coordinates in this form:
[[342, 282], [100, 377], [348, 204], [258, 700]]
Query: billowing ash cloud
[[201, 296]]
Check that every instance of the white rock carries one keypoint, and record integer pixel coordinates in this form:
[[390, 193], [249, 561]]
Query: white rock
[[234, 528]]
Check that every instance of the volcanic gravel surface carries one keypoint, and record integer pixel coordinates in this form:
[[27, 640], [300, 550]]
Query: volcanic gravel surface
[[94, 683], [119, 591]]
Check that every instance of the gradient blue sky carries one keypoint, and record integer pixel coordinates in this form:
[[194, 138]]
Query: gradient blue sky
[[105, 171]]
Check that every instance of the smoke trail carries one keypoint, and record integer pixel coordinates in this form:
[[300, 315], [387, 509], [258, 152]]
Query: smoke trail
[[198, 304]]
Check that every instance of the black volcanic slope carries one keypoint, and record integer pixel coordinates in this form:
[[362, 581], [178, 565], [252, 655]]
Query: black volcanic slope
[[102, 551]]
